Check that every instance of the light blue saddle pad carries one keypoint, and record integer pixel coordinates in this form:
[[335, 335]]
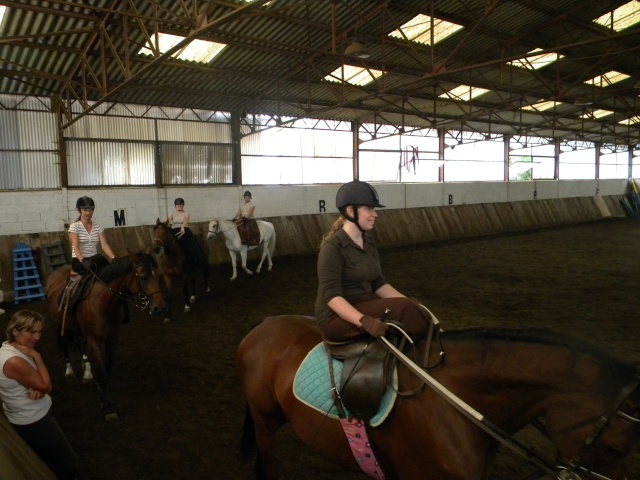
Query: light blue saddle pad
[[312, 386]]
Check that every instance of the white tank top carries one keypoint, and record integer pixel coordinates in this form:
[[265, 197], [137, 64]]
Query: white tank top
[[18, 407]]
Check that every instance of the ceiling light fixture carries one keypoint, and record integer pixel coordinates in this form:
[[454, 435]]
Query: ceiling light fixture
[[357, 50]]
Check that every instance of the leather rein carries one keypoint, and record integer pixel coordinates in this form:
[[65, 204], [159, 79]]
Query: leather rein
[[140, 300]]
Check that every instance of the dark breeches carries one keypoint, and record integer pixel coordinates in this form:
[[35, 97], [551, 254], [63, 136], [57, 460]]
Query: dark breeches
[[414, 319]]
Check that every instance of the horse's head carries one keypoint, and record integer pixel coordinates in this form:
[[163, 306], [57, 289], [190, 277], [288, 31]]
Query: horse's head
[[214, 229], [161, 236], [147, 285], [596, 439]]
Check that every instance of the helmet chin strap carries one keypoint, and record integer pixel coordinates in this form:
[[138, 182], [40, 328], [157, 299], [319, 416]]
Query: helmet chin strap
[[354, 219]]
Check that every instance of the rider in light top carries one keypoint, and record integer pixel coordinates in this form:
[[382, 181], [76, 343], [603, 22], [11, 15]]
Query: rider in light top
[[180, 217], [85, 234], [353, 295], [247, 209], [178, 221]]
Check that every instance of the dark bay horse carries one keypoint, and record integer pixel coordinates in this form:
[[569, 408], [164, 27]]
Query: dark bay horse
[[587, 403], [176, 263], [96, 320]]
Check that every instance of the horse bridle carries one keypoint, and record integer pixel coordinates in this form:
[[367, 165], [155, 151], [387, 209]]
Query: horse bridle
[[216, 230], [601, 424], [163, 245], [140, 300]]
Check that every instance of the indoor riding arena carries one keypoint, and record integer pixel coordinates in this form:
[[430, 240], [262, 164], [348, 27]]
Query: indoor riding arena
[[175, 386], [502, 138]]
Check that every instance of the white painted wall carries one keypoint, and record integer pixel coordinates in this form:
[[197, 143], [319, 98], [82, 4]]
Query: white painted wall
[[50, 210]]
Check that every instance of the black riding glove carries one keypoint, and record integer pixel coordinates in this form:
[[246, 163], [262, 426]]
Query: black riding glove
[[87, 264]]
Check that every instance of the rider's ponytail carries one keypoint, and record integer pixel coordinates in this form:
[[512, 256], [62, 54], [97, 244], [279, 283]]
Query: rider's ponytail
[[337, 225]]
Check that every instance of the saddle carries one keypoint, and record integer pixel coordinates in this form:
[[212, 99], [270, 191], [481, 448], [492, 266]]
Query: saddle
[[74, 291], [248, 231], [366, 375]]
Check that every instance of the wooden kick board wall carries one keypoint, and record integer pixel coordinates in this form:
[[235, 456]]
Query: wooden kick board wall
[[301, 234]]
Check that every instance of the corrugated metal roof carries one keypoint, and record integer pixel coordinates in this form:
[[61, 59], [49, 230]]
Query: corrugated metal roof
[[278, 54]]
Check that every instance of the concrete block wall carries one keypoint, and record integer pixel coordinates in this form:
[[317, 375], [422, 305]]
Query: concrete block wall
[[32, 212]]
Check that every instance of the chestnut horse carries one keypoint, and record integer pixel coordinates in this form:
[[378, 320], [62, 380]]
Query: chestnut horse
[[95, 322], [175, 264], [586, 402]]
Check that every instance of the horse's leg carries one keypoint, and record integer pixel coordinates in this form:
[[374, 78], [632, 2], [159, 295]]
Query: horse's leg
[[165, 286], [185, 293], [87, 375], [266, 429], [63, 344], [192, 283], [269, 261], [205, 275], [243, 255], [265, 254], [232, 254], [97, 354]]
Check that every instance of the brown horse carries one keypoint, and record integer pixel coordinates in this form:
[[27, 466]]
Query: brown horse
[[176, 263], [94, 323], [587, 402]]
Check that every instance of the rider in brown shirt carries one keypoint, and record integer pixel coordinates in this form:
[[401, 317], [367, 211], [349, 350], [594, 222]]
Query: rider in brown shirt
[[353, 295]]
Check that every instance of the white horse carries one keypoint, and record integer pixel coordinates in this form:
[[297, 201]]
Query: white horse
[[232, 238]]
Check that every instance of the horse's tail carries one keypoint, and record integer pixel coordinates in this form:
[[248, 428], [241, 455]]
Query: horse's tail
[[272, 242], [248, 444]]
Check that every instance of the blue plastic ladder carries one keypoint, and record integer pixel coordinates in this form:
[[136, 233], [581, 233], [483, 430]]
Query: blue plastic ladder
[[26, 279]]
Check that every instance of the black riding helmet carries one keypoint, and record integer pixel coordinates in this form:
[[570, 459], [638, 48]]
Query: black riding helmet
[[85, 202], [356, 193], [178, 201], [247, 194]]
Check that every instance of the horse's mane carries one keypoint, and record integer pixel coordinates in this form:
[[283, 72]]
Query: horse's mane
[[122, 266], [615, 372]]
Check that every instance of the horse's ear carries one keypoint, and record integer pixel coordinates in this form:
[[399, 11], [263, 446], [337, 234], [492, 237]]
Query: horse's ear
[[158, 222]]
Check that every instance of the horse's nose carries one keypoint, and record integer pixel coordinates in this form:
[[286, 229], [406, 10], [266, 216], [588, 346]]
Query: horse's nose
[[156, 309]]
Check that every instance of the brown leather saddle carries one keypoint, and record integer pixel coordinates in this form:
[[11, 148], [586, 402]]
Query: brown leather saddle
[[76, 289], [368, 368], [248, 231], [367, 373]]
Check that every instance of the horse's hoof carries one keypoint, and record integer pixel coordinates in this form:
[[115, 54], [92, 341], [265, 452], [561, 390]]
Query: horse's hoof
[[70, 375], [111, 417], [167, 320], [187, 309], [232, 279], [192, 299]]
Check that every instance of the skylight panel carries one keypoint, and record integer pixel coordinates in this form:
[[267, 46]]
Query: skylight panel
[[622, 17], [464, 93], [630, 121], [354, 75], [200, 51], [607, 79], [599, 113], [541, 106], [3, 9], [418, 29], [534, 62]]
